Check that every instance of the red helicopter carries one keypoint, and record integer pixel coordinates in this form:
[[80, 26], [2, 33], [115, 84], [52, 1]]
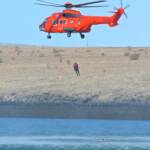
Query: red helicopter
[[72, 21]]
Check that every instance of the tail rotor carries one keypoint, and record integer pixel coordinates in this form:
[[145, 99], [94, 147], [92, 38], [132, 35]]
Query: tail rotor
[[121, 3], [126, 7], [121, 7]]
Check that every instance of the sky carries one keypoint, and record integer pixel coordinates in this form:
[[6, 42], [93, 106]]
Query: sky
[[20, 20]]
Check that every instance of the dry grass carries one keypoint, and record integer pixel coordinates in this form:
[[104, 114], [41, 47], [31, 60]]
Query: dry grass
[[116, 73], [18, 50], [48, 66], [33, 52], [126, 54], [13, 94], [141, 50], [102, 54], [60, 60], [57, 50], [104, 70], [88, 50], [129, 48], [1, 60], [68, 62], [12, 58], [41, 55], [134, 56], [57, 55]]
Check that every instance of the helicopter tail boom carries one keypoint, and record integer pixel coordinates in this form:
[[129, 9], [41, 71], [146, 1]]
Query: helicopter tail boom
[[110, 20], [116, 16]]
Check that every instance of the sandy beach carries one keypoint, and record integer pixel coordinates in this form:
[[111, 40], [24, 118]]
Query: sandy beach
[[40, 82]]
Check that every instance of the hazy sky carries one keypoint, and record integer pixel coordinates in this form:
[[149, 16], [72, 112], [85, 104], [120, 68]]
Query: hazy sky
[[20, 20]]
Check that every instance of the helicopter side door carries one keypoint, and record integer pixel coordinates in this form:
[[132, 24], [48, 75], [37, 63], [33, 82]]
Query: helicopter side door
[[75, 23], [62, 23]]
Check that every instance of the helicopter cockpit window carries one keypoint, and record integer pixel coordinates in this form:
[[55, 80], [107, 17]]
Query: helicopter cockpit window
[[68, 15], [55, 22], [45, 20], [62, 22]]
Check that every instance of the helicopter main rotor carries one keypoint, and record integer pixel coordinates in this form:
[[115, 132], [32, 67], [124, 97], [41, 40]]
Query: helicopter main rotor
[[69, 5]]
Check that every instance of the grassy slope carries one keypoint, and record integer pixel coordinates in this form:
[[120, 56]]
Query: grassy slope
[[45, 74]]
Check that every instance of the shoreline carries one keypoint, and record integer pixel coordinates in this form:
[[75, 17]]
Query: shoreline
[[42, 80], [69, 111]]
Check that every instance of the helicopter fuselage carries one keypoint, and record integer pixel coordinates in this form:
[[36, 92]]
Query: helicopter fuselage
[[72, 21]]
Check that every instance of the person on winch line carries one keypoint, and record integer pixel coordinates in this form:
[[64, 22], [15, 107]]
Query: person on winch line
[[76, 68]]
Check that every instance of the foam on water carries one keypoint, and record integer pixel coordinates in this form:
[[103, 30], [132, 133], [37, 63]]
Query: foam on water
[[72, 147], [74, 143], [47, 134]]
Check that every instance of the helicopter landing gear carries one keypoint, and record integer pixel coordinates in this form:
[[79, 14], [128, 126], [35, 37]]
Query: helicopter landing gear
[[68, 34], [82, 36], [49, 36]]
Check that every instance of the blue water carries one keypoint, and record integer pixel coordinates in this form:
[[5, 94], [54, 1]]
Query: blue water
[[62, 134]]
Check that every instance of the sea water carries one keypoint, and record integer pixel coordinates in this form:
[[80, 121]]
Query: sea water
[[63, 134]]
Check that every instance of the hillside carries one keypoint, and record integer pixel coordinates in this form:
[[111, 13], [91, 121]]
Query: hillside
[[44, 75]]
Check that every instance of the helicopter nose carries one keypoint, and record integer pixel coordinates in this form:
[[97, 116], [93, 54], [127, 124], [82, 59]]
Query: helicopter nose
[[41, 27]]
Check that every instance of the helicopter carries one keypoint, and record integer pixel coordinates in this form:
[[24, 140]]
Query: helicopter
[[72, 21]]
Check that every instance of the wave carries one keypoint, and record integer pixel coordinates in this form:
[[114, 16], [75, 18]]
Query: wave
[[74, 142], [72, 147]]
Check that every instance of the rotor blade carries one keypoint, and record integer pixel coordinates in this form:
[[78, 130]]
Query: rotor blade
[[82, 4], [112, 12], [91, 6], [49, 3], [125, 15], [126, 6], [121, 3], [115, 8]]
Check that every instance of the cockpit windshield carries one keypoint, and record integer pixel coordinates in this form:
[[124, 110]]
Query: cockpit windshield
[[45, 20], [41, 27]]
